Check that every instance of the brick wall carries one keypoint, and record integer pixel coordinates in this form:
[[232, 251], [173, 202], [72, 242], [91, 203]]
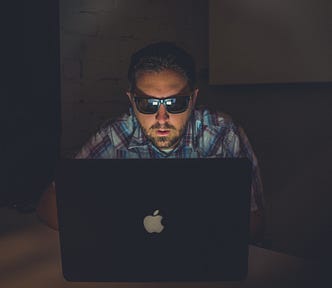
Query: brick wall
[[97, 39]]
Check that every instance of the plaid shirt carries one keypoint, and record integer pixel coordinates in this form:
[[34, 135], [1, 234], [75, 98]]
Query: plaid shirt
[[207, 135]]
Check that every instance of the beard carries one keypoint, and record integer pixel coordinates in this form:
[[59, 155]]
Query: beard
[[164, 142]]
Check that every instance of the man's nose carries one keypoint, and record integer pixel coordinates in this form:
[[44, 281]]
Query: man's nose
[[162, 114]]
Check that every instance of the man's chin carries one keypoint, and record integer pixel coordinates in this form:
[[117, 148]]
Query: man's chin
[[164, 142]]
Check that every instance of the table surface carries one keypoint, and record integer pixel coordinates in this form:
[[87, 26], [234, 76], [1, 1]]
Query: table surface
[[30, 257]]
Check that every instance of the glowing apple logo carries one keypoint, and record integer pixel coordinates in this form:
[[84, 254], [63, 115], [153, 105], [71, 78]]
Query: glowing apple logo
[[152, 223]]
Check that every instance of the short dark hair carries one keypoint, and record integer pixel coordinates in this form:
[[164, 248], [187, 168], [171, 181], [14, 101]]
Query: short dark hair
[[160, 56]]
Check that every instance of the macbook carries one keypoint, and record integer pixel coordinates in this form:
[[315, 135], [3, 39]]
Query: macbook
[[151, 220]]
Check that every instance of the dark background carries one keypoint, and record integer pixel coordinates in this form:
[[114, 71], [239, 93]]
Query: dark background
[[288, 124], [33, 114]]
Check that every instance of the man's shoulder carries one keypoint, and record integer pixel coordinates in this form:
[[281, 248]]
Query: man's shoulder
[[212, 117], [114, 132], [119, 124], [216, 133]]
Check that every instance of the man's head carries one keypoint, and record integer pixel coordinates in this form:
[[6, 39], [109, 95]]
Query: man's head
[[162, 91]]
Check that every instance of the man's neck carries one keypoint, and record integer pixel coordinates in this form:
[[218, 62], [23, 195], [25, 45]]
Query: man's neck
[[166, 150]]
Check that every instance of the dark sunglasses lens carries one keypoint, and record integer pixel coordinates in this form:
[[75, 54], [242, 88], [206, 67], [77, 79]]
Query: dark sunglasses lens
[[146, 106], [178, 104]]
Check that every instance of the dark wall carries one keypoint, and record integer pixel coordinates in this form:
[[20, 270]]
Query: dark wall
[[289, 126], [34, 104]]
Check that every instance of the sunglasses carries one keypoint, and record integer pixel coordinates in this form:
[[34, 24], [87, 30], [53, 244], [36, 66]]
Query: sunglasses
[[150, 105]]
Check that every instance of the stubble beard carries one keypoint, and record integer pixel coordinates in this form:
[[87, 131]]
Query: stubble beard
[[164, 142]]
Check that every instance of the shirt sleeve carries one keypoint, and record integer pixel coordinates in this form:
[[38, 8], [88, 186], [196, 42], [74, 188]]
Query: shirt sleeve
[[257, 198]]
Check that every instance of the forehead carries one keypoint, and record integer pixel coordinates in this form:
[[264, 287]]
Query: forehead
[[162, 83]]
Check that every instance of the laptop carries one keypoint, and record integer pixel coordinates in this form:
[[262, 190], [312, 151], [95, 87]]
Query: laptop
[[152, 220]]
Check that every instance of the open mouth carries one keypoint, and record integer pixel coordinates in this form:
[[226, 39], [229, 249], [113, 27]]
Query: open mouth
[[162, 132]]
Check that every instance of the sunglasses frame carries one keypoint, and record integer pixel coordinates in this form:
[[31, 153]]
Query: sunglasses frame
[[163, 101]]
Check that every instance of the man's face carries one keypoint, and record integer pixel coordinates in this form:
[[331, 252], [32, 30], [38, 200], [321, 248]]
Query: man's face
[[163, 128]]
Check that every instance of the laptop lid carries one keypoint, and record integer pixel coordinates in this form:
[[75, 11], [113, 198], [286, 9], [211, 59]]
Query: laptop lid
[[154, 220]]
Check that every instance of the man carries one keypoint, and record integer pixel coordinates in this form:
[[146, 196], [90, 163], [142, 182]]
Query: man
[[163, 123]]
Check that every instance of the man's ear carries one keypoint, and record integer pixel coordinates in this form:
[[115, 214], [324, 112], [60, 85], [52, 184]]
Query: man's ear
[[195, 96], [129, 96]]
